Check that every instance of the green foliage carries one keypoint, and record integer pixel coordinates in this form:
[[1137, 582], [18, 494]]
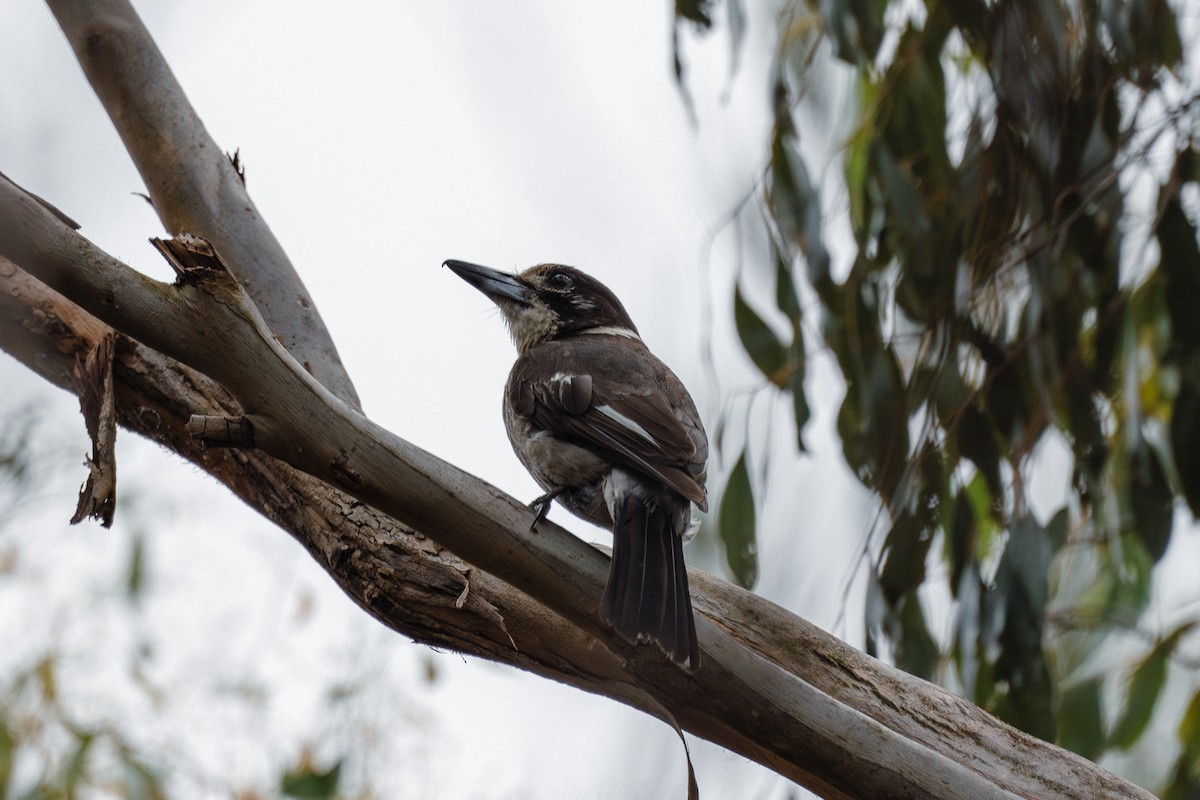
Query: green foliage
[[74, 760], [1006, 287], [307, 782], [735, 525], [73, 714]]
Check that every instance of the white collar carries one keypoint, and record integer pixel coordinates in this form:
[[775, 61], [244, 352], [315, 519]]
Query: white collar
[[612, 330]]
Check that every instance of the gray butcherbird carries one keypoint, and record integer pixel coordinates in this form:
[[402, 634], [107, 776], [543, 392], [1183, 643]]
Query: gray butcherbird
[[608, 431]]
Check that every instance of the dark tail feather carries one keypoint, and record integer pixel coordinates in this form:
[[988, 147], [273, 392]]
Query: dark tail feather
[[647, 596]]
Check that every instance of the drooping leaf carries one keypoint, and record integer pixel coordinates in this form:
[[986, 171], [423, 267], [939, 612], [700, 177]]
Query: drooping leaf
[[697, 12], [141, 782], [856, 27], [1081, 718], [8, 749], [307, 782], [76, 769], [1152, 500], [786, 296], [736, 525], [1189, 737], [788, 301], [800, 410], [795, 202], [763, 346], [916, 651], [1180, 264], [905, 549], [1016, 604], [873, 419], [977, 441], [960, 543], [135, 574], [1144, 690], [1185, 441]]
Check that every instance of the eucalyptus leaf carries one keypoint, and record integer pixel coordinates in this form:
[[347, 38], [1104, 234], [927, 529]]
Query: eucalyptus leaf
[[736, 525], [306, 782], [1144, 690], [765, 349], [1081, 718]]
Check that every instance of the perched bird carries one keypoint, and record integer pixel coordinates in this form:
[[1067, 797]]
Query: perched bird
[[609, 432]]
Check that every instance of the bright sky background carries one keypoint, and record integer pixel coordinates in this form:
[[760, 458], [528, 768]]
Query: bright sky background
[[380, 139]]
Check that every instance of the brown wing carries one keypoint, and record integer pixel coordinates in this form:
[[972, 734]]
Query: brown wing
[[622, 404]]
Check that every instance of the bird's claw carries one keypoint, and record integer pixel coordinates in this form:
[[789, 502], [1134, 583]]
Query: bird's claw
[[541, 505]]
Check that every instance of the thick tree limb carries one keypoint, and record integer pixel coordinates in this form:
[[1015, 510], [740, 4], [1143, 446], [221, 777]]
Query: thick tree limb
[[772, 687], [192, 183]]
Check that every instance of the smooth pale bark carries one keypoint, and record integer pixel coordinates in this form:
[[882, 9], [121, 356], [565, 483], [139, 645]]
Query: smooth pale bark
[[191, 181]]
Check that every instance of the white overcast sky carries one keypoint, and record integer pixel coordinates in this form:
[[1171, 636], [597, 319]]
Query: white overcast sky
[[380, 139]]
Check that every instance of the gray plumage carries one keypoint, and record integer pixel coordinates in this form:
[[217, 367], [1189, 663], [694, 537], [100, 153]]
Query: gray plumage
[[607, 430]]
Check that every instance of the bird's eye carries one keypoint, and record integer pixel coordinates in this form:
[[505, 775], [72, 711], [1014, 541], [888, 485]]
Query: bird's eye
[[561, 280]]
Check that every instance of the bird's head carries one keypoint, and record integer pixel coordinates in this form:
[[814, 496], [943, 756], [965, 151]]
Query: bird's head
[[548, 302]]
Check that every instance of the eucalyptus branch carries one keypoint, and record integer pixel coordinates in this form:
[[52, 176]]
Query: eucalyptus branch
[[194, 187]]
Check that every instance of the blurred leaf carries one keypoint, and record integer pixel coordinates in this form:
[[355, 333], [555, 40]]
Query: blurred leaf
[[1081, 718], [977, 442], [1152, 500], [795, 202], [762, 345], [46, 674], [965, 647], [735, 524], [77, 767], [141, 783], [1133, 576], [856, 28], [786, 296], [737, 33], [1144, 689], [8, 750], [916, 652], [788, 301], [1185, 441], [875, 614], [873, 419], [1189, 736], [1029, 551], [858, 174], [309, 783], [697, 12], [960, 544], [1016, 605], [1180, 264], [800, 410], [135, 580], [906, 548]]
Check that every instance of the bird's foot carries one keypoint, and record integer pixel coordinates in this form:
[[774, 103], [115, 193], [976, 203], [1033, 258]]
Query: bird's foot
[[541, 505]]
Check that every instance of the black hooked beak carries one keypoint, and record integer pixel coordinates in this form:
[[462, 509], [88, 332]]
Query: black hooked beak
[[492, 282]]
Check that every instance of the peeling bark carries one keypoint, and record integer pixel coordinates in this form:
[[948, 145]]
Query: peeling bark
[[93, 370]]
